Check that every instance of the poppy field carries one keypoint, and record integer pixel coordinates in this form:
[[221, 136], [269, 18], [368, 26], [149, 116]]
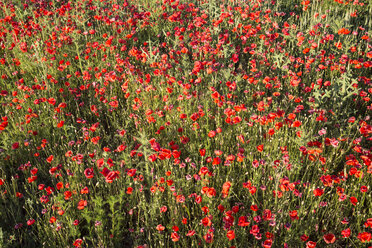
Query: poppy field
[[174, 123]]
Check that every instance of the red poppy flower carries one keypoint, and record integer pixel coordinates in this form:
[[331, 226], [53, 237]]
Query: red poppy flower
[[304, 237], [60, 124], [163, 209], [216, 161], [225, 189], [318, 192], [131, 172], [206, 221], [329, 238], [221, 208], [129, 190], [84, 190], [208, 237], [175, 236], [82, 204], [160, 227], [211, 192], [267, 243], [52, 220], [230, 234], [293, 215], [255, 230], [368, 223], [78, 242], [353, 200], [243, 221], [67, 194], [211, 134], [89, 173], [203, 171], [364, 237], [111, 176], [50, 159], [260, 148], [15, 145], [310, 244], [59, 185], [346, 233], [30, 222]]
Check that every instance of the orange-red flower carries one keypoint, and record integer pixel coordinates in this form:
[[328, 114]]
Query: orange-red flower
[[231, 234], [175, 237], [364, 237], [160, 227], [50, 159], [318, 192], [82, 204], [260, 148], [225, 189]]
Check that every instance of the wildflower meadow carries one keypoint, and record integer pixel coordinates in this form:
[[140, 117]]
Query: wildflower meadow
[[175, 123]]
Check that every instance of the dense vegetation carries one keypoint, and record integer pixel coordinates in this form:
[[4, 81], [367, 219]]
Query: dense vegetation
[[185, 123]]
